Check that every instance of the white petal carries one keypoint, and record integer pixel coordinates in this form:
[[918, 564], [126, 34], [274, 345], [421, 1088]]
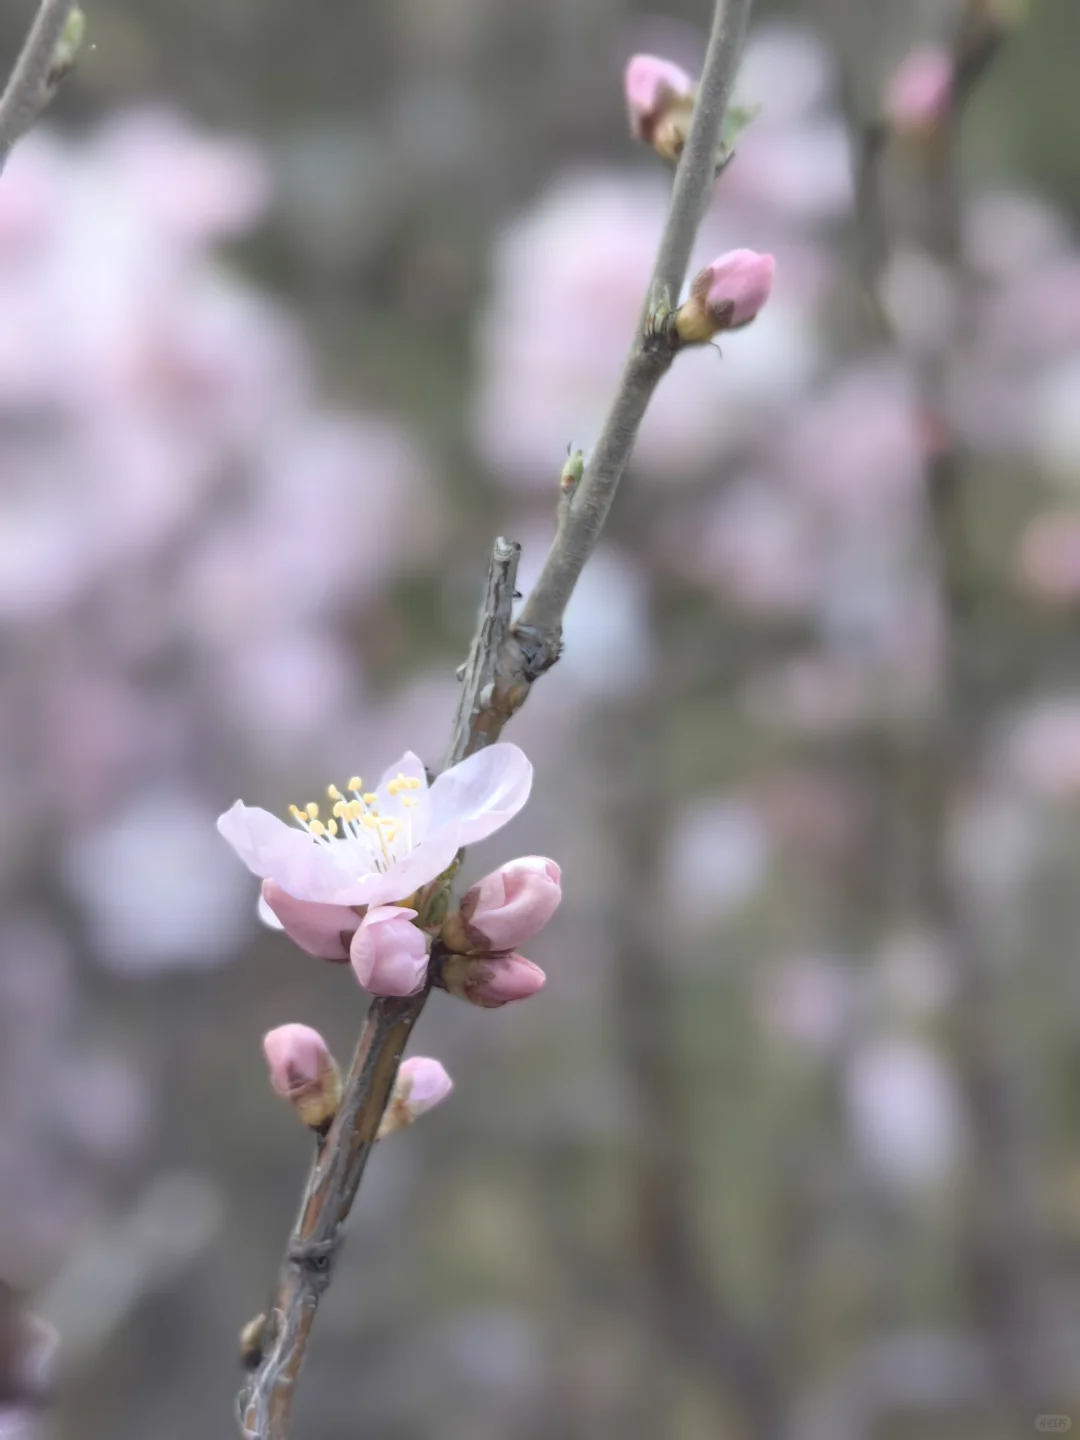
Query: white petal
[[267, 916], [482, 793], [276, 851], [412, 767], [430, 858]]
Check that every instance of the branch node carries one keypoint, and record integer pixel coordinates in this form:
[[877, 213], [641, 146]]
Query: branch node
[[538, 652], [315, 1259]]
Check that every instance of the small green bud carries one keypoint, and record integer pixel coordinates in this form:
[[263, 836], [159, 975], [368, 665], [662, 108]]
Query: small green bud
[[67, 47]]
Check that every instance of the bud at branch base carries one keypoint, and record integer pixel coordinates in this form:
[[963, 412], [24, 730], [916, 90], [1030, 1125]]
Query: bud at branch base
[[491, 981], [506, 908], [725, 295], [303, 1071], [421, 1084], [388, 952], [660, 103]]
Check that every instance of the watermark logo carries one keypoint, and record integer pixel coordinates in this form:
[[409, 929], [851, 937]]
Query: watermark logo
[[1053, 1424]]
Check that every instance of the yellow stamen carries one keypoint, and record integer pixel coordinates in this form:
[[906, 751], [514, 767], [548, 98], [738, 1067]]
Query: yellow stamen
[[332, 826], [313, 809], [355, 783], [333, 792], [410, 804], [297, 813], [370, 798], [394, 786], [370, 821], [317, 827], [341, 808], [353, 810]]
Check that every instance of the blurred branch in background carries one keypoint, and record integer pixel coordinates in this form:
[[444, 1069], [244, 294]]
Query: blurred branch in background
[[45, 60], [688, 1303], [908, 200], [169, 1227]]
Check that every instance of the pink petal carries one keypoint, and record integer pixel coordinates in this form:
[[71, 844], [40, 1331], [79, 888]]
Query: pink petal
[[514, 903], [482, 793], [647, 76], [296, 1056], [429, 1084], [388, 953], [315, 927], [744, 278]]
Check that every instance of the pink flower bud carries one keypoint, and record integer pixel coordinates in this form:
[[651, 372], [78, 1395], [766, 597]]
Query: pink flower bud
[[491, 981], [920, 92], [506, 908], [660, 103], [1048, 561], [323, 930], [725, 295], [421, 1084], [303, 1071], [388, 952]]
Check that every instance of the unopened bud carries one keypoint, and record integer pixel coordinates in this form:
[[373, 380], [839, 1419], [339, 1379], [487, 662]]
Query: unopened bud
[[725, 295], [493, 981], [660, 103], [303, 1071], [919, 96], [388, 952], [506, 908], [421, 1084], [251, 1342]]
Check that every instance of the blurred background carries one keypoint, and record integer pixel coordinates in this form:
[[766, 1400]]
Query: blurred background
[[300, 306]]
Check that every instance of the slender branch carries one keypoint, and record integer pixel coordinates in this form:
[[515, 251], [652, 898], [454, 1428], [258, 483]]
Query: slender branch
[[540, 625], [30, 89], [502, 665]]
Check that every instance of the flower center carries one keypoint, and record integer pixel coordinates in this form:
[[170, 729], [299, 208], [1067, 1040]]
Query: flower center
[[358, 823]]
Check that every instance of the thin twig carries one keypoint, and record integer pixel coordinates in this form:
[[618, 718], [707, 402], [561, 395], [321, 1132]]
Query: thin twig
[[28, 90], [482, 712], [540, 626], [502, 665]]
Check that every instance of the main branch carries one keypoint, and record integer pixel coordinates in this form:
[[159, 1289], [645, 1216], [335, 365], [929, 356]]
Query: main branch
[[503, 663]]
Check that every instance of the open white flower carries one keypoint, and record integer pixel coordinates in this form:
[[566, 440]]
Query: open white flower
[[373, 847]]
